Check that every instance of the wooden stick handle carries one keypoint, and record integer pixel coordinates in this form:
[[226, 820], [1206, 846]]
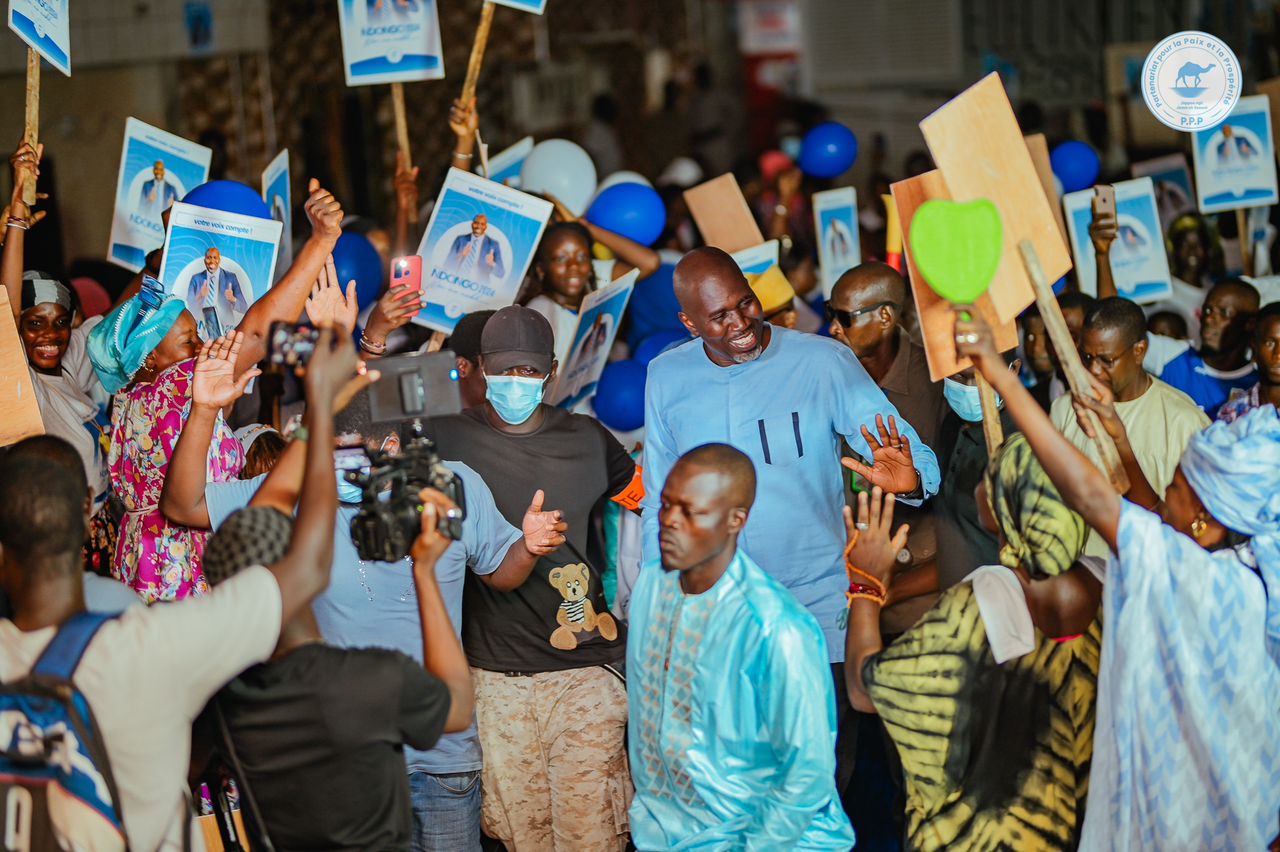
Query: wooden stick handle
[[1077, 375], [1242, 225], [402, 133], [477, 52], [991, 428], [31, 132], [436, 341]]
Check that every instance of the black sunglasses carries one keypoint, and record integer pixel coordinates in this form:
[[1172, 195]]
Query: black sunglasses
[[846, 318]]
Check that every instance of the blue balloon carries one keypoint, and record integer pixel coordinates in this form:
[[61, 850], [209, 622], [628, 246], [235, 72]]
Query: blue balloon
[[355, 259], [633, 210], [657, 343], [828, 150], [1076, 165], [229, 196], [653, 306], [619, 399]]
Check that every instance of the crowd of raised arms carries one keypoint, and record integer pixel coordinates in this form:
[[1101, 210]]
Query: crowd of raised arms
[[803, 599]]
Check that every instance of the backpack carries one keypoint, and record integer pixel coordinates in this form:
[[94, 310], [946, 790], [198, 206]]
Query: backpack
[[56, 788]]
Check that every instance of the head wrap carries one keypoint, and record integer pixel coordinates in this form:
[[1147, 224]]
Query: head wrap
[[1235, 470], [120, 344], [1040, 532], [41, 288], [257, 535]]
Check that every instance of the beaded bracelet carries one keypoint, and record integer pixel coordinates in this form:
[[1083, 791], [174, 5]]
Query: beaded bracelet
[[371, 347], [862, 584], [861, 590]]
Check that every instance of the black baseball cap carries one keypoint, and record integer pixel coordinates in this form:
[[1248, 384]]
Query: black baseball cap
[[465, 340], [517, 336]]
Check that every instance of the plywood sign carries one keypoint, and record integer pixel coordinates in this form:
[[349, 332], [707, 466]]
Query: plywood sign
[[17, 397], [1038, 148], [937, 323], [975, 140], [722, 215]]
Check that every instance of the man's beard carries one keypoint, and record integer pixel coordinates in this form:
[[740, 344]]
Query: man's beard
[[746, 357]]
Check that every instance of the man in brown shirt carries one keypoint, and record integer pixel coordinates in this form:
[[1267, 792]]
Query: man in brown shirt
[[864, 313]]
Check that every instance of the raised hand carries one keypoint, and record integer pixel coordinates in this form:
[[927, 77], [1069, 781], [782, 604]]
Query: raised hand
[[431, 544], [324, 212], [214, 383], [869, 546], [1102, 231], [396, 307], [974, 341], [789, 184], [464, 119], [491, 259], [892, 466], [563, 214], [1103, 405], [543, 531], [327, 304]]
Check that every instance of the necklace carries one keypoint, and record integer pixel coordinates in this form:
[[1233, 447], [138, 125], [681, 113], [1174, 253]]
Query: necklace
[[406, 594]]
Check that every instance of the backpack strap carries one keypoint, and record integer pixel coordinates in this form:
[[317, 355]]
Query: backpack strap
[[61, 656]]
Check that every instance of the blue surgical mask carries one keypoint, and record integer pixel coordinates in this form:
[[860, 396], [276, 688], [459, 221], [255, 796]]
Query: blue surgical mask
[[790, 145], [515, 398], [347, 492], [965, 400]]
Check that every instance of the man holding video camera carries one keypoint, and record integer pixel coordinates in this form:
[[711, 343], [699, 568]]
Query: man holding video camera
[[373, 604]]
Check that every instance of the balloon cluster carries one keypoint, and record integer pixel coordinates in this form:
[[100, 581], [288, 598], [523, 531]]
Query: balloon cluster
[[619, 399]]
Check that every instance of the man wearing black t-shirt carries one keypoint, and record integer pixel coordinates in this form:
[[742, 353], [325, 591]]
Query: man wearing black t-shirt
[[550, 707]]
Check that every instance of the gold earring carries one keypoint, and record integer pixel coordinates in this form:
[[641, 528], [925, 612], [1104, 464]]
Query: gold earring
[[1198, 526]]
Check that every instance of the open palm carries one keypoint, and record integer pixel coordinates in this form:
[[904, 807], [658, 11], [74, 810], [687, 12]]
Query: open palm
[[892, 466], [214, 382]]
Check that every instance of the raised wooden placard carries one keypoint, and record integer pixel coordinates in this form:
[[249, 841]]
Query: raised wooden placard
[[17, 397], [722, 215], [975, 140], [937, 323], [1038, 148]]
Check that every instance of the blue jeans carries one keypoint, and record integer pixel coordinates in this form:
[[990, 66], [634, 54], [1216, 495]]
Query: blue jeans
[[446, 811]]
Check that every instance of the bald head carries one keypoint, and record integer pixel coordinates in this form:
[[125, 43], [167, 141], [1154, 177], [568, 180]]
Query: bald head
[[863, 312], [737, 473], [718, 305], [701, 266], [869, 283]]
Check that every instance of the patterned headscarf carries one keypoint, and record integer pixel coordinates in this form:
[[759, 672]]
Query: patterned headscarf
[[1040, 532], [41, 288], [1235, 470], [257, 535], [120, 344]]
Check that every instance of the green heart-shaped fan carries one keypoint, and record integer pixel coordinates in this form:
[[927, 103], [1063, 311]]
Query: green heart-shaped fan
[[957, 247]]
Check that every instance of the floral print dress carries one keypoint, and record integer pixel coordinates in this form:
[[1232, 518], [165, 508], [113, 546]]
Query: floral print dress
[[158, 559]]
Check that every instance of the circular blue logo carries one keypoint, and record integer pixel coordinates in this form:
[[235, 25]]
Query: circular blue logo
[[1191, 81]]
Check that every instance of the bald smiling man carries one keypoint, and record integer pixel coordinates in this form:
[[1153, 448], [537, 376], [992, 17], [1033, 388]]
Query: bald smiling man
[[785, 399]]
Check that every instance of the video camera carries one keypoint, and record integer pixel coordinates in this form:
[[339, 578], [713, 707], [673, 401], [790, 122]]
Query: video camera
[[390, 515]]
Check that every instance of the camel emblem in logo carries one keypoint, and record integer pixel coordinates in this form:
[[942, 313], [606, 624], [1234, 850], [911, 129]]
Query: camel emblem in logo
[[1191, 69]]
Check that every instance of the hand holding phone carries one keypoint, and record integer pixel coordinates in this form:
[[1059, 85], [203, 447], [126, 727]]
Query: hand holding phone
[[406, 272], [1104, 227]]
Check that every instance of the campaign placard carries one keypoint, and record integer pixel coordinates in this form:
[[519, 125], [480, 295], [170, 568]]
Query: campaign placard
[[219, 263], [537, 7], [275, 191], [505, 166], [45, 26], [1175, 191], [477, 247], [1138, 260], [156, 169], [390, 41], [1235, 161], [754, 260], [598, 322], [835, 220]]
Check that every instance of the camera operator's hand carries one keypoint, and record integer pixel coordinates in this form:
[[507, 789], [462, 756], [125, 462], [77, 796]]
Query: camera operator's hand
[[543, 531], [335, 374], [431, 544]]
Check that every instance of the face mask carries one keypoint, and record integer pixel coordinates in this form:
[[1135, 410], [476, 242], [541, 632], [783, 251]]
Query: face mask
[[790, 145], [347, 492], [965, 400], [515, 398]]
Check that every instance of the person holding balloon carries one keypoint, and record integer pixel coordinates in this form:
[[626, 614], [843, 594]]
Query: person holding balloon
[[145, 351]]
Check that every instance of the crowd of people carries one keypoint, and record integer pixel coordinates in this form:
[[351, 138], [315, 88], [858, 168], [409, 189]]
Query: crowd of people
[[804, 606]]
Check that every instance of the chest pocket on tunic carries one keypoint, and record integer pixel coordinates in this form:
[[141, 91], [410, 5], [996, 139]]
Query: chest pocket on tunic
[[776, 440]]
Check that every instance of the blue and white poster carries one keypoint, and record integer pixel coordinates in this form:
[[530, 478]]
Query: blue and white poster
[[505, 166], [835, 219], [1235, 161], [754, 260], [477, 247], [1138, 260], [45, 26], [275, 191], [156, 169], [219, 263], [537, 7], [1175, 192], [390, 41], [598, 322]]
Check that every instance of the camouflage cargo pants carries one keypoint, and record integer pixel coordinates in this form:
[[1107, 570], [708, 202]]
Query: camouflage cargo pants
[[555, 774]]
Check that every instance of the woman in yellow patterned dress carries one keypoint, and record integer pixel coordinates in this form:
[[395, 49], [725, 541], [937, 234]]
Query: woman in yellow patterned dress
[[989, 698]]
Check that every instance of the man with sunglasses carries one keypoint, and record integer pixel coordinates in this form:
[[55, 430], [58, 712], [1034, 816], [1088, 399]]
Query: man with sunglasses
[[1158, 419], [787, 399]]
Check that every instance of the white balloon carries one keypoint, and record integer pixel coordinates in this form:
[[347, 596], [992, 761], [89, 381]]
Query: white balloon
[[561, 168]]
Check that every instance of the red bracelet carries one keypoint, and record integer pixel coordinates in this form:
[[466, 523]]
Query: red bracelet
[[865, 592]]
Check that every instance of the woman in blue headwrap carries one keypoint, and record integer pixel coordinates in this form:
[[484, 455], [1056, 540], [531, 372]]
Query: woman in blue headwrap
[[1187, 741], [145, 352]]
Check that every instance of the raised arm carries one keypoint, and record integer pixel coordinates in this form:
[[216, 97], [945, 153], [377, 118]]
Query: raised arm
[[869, 556], [406, 191], [464, 121], [284, 301], [1083, 487], [24, 161], [1102, 231], [630, 254]]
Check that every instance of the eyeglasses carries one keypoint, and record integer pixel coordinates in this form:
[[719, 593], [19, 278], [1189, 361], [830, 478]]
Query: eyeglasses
[[1107, 361], [846, 318]]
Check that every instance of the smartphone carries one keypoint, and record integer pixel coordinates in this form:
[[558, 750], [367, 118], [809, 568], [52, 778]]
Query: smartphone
[[290, 345], [1104, 200], [407, 272], [418, 385]]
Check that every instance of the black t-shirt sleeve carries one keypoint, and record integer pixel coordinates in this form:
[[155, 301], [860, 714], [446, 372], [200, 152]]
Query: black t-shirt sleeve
[[619, 465], [424, 705]]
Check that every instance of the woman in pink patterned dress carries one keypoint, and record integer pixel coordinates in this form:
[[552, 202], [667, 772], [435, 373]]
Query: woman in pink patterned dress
[[144, 352]]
